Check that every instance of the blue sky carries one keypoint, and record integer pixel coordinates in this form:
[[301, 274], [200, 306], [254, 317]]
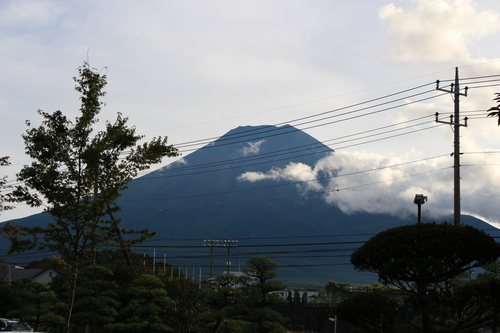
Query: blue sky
[[196, 69]]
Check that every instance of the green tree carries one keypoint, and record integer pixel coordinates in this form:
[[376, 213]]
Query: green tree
[[296, 297], [38, 305], [226, 303], [494, 111], [96, 303], [261, 318], [9, 299], [337, 287], [372, 312], [289, 298], [262, 270], [148, 307], [337, 291], [78, 176], [188, 305], [5, 198], [304, 298], [422, 259]]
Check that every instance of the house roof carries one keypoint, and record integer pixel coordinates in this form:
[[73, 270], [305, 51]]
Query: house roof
[[17, 274]]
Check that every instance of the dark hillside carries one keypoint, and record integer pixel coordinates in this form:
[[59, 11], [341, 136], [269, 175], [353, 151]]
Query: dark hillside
[[199, 197]]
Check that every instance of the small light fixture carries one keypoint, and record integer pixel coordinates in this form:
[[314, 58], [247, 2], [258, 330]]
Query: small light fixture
[[419, 200]]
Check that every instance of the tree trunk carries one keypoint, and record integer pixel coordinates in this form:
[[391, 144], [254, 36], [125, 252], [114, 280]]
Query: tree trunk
[[125, 251], [71, 300], [424, 307]]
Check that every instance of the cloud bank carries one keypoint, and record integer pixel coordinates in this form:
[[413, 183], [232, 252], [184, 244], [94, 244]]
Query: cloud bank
[[374, 183], [437, 30]]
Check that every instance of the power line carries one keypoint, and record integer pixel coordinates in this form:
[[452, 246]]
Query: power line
[[296, 182], [224, 163], [238, 135]]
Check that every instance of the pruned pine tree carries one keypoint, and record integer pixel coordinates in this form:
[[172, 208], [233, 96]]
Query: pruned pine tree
[[77, 175], [148, 307], [261, 318], [423, 260], [38, 305]]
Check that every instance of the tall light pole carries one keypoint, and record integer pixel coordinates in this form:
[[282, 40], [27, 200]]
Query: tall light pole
[[220, 243], [211, 243], [419, 200], [229, 244]]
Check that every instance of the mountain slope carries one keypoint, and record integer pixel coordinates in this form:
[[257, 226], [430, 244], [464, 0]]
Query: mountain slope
[[199, 197]]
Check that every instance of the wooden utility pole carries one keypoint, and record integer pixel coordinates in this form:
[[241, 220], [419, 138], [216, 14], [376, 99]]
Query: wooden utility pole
[[455, 122]]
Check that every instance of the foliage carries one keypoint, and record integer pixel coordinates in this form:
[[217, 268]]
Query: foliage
[[424, 253], [260, 296], [264, 320], [78, 176], [5, 198], [289, 297], [373, 312], [261, 270], [148, 306], [153, 302], [96, 294], [188, 305], [494, 111], [426, 261], [38, 305], [337, 287], [8, 299], [226, 303]]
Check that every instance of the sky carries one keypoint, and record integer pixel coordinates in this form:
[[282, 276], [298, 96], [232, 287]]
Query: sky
[[193, 70]]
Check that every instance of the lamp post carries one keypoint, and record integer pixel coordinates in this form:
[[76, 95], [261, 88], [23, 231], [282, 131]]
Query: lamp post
[[211, 243], [229, 244], [419, 200]]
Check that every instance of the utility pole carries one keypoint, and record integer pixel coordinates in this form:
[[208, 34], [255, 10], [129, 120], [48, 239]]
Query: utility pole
[[455, 122]]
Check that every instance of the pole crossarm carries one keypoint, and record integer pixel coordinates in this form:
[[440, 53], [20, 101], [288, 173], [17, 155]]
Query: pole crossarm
[[451, 122]]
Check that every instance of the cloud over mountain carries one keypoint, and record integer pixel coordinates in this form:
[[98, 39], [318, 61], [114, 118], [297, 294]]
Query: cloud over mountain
[[374, 183], [252, 148]]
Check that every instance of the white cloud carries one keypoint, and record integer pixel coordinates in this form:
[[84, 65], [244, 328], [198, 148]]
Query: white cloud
[[252, 148], [195, 69], [29, 12], [374, 183], [293, 172], [180, 162], [437, 30]]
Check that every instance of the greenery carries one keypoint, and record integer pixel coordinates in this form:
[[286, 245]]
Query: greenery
[[147, 301], [78, 176], [424, 269], [5, 198], [427, 262], [112, 297], [494, 111]]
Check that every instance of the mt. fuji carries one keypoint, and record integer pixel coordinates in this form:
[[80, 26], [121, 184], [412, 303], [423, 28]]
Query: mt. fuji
[[263, 186]]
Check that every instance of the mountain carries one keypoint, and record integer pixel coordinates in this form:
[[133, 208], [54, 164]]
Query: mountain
[[200, 197]]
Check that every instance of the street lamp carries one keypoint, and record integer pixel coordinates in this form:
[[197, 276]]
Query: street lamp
[[419, 200], [220, 243], [229, 244]]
